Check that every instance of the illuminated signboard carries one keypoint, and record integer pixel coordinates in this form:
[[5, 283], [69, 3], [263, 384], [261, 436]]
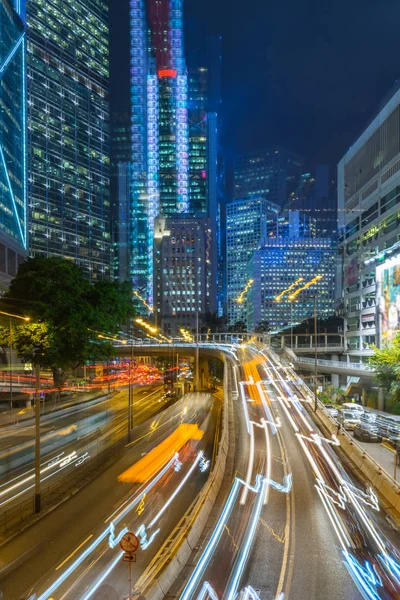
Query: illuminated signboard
[[388, 299]]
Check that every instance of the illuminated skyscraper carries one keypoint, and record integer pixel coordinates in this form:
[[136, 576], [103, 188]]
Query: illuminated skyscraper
[[68, 131], [174, 133], [160, 153], [13, 218]]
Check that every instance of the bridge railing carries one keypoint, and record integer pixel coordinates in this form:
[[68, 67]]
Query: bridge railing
[[337, 364]]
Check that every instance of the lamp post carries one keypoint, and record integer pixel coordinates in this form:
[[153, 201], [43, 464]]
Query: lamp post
[[291, 325], [130, 396], [37, 440]]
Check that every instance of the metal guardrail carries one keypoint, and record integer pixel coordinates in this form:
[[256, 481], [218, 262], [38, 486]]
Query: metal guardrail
[[337, 364]]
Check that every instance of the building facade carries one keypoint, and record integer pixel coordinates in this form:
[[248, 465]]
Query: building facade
[[276, 267], [249, 222], [173, 137], [183, 277], [273, 174], [369, 213], [13, 203], [68, 133]]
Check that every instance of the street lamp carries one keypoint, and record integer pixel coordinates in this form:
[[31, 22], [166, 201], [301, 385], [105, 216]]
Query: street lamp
[[12, 316]]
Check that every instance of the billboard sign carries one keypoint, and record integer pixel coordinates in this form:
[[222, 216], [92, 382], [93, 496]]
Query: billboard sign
[[388, 299]]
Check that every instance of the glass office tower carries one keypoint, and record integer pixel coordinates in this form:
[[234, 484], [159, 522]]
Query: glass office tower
[[68, 116], [160, 137], [13, 220]]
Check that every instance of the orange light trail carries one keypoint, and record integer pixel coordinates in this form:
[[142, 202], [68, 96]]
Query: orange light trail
[[150, 464], [289, 289], [305, 287]]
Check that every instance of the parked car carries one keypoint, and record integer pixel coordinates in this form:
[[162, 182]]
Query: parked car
[[331, 410], [353, 407], [348, 419], [366, 432]]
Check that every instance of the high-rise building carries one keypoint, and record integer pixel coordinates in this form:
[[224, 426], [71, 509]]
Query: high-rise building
[[273, 174], [316, 197], [249, 222], [183, 272], [369, 215], [120, 194], [174, 135], [68, 132], [13, 205], [276, 266]]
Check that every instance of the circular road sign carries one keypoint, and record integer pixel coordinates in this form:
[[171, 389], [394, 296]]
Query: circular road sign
[[129, 543]]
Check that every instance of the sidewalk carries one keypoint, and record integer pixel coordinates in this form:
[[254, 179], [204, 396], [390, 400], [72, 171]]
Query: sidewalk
[[383, 456]]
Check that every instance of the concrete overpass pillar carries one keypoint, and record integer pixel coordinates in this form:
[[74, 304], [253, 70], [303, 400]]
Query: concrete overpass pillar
[[204, 373], [381, 399], [364, 396], [335, 380]]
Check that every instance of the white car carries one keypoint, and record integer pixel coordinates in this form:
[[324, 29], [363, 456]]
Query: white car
[[331, 410], [356, 408]]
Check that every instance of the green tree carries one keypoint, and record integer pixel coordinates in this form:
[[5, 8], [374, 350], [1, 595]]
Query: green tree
[[262, 327], [238, 327], [66, 315], [211, 321], [386, 364]]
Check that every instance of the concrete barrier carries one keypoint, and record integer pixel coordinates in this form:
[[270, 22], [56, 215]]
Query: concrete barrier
[[166, 566], [388, 489]]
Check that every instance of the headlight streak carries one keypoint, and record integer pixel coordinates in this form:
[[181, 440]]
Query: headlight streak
[[268, 413], [245, 409], [178, 488], [251, 529], [106, 533], [194, 579], [366, 577], [72, 458], [103, 576], [115, 540]]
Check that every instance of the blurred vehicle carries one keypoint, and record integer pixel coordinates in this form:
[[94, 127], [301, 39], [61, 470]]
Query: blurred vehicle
[[367, 432], [348, 419], [331, 410], [389, 428], [368, 417], [353, 407]]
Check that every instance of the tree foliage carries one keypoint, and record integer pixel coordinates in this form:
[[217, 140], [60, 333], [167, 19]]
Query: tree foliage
[[386, 364], [262, 327], [211, 321], [66, 314], [238, 327]]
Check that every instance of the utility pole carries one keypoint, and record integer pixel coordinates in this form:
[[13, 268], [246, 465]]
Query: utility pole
[[37, 441], [10, 369], [315, 355], [197, 379]]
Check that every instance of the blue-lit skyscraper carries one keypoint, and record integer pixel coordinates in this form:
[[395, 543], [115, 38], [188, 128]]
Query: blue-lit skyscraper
[[160, 134], [13, 220]]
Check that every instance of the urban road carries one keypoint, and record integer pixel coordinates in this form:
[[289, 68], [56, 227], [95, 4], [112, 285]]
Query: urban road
[[294, 524]]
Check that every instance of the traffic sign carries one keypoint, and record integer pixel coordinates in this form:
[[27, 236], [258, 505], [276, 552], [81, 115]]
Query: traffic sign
[[129, 543], [129, 558]]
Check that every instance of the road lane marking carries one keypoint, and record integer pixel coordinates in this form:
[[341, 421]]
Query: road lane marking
[[74, 552]]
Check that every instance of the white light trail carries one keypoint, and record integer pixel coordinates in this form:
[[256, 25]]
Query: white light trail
[[104, 575], [245, 549]]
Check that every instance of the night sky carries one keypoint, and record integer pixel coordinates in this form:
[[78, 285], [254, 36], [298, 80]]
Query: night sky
[[307, 75]]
